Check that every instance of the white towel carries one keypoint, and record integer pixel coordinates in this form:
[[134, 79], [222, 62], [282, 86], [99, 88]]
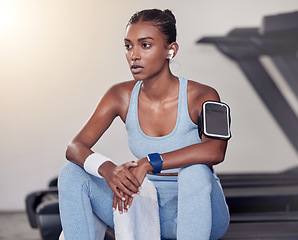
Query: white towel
[[142, 219]]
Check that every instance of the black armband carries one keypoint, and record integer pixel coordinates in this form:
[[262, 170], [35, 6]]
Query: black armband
[[215, 120]]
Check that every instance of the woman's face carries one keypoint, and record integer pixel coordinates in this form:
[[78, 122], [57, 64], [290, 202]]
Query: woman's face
[[146, 50]]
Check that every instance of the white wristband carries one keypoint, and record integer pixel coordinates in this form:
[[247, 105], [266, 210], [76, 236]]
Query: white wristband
[[93, 162]]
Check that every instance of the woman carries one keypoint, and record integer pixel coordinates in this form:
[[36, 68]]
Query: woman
[[161, 113]]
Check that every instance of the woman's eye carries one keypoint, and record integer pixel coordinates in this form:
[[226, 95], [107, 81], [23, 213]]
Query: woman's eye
[[146, 45], [127, 46]]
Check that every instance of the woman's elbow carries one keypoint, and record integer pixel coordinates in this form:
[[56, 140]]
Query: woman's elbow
[[216, 150], [219, 155], [220, 158], [222, 151], [69, 151]]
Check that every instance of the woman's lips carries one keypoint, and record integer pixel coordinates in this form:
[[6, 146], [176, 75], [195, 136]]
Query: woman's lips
[[136, 69]]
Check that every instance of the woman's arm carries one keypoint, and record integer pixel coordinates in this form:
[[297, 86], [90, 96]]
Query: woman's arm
[[114, 103], [105, 113], [209, 152]]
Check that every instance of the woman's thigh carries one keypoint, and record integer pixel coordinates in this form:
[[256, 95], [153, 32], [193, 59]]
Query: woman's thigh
[[167, 192]]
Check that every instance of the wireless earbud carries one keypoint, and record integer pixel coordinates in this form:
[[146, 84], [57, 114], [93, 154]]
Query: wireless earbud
[[171, 52]]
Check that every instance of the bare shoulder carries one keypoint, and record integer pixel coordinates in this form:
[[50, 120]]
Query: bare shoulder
[[122, 88], [118, 97], [201, 92], [197, 94]]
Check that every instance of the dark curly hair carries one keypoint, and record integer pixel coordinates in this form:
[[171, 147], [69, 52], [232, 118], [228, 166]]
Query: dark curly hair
[[165, 22]]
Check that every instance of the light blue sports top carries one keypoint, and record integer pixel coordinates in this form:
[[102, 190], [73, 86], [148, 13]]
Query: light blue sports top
[[184, 134]]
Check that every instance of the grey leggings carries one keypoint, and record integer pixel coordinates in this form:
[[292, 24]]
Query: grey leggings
[[191, 206]]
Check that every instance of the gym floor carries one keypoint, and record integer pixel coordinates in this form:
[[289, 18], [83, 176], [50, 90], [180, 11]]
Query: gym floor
[[15, 226]]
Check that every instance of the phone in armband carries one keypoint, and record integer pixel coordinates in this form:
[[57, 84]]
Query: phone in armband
[[215, 120]]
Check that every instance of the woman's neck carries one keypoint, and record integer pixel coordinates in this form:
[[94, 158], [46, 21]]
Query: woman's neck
[[161, 88]]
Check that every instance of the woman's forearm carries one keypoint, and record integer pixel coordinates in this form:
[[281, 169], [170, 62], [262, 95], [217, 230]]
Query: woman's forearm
[[209, 152]]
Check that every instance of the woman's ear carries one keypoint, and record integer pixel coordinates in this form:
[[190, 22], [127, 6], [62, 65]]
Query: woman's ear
[[173, 50]]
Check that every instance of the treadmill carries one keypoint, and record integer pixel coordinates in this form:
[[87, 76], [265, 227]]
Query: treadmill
[[265, 206]]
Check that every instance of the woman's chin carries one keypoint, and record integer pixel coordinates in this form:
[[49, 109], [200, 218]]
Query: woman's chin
[[138, 76]]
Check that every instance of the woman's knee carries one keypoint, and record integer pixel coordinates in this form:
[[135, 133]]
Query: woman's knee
[[196, 170], [199, 175], [71, 173]]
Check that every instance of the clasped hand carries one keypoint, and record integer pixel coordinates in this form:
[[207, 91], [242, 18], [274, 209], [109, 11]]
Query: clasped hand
[[125, 181]]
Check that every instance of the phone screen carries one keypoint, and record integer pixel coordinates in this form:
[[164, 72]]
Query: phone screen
[[217, 120]]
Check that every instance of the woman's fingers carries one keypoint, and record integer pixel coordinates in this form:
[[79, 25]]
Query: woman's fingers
[[115, 200], [131, 164], [120, 204], [123, 206], [126, 181], [129, 202], [122, 179], [131, 181], [125, 190], [116, 192], [125, 203]]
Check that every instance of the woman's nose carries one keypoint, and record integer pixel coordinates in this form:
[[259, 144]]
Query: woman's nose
[[135, 55]]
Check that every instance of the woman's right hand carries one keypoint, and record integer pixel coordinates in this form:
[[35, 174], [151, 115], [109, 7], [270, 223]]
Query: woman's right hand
[[119, 177]]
